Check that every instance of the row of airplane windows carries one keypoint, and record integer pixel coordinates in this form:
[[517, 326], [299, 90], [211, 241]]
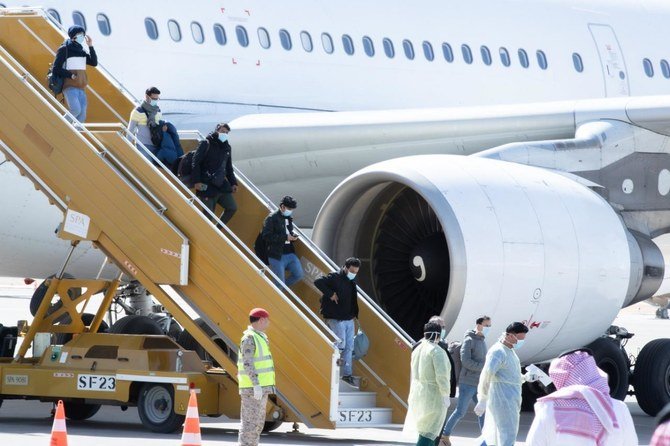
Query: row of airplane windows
[[264, 39]]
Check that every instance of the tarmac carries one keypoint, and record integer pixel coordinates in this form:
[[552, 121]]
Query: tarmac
[[28, 423]]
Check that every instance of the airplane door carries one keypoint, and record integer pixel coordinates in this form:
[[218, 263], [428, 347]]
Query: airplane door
[[611, 60]]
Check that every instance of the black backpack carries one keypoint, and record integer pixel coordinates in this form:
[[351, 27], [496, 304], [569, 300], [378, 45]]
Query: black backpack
[[55, 83], [261, 249], [183, 166], [156, 131]]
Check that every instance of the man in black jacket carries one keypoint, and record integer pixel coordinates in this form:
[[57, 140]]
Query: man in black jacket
[[279, 237], [213, 174], [339, 307]]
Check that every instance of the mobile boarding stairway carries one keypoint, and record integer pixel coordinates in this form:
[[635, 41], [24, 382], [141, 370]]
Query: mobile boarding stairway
[[153, 228]]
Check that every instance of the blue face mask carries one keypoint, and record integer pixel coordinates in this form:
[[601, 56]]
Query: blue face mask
[[485, 331], [80, 39], [287, 213], [519, 343], [223, 137], [153, 102], [351, 276]]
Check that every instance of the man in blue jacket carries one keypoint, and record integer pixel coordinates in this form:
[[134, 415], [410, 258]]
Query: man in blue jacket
[[339, 306]]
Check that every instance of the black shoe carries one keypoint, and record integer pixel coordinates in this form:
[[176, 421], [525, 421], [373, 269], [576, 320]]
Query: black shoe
[[348, 379]]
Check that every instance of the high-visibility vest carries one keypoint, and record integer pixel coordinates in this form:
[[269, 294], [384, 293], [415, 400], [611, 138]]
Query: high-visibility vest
[[262, 363]]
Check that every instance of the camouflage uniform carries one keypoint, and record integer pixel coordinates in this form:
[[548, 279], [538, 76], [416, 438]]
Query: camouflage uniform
[[252, 411]]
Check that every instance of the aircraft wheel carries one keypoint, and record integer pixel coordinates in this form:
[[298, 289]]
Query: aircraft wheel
[[135, 324], [80, 411], [86, 318], [651, 378], [156, 408], [613, 361], [41, 290]]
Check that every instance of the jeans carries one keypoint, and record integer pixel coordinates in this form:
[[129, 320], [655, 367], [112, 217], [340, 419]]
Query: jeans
[[466, 393], [287, 262], [345, 331], [76, 102], [226, 201]]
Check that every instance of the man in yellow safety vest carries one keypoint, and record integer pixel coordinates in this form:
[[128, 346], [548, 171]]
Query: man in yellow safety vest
[[255, 376]]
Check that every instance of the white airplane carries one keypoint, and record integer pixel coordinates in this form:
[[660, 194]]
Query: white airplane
[[569, 93]]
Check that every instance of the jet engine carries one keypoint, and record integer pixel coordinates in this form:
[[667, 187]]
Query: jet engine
[[464, 237]]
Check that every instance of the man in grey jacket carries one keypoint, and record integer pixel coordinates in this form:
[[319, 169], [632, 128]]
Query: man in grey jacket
[[473, 356]]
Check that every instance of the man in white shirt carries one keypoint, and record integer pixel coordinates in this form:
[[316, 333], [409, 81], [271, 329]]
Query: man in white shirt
[[581, 411]]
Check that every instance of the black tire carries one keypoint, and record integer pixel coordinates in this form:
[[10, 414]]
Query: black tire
[[86, 318], [269, 426], [41, 290], [135, 324], [80, 411], [651, 378], [156, 408], [187, 341], [613, 361]]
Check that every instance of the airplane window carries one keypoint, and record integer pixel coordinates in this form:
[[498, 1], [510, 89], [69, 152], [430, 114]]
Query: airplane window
[[348, 44], [196, 32], [577, 62], [428, 51], [151, 27], [542, 59], [388, 48], [242, 36], [79, 19], [409, 49], [504, 56], [486, 55], [53, 14], [665, 68], [103, 24], [368, 46], [447, 52], [264, 38], [467, 53], [648, 67], [327, 43], [306, 40], [220, 34], [285, 39], [174, 30], [523, 58]]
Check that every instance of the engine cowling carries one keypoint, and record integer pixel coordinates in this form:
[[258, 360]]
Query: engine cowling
[[464, 236]]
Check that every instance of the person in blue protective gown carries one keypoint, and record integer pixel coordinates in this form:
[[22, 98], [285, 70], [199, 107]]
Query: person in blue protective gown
[[429, 389], [499, 390]]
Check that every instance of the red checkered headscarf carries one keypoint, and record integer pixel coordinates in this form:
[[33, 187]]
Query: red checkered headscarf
[[582, 404]]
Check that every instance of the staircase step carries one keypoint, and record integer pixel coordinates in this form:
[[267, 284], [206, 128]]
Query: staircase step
[[356, 400], [346, 387], [365, 417]]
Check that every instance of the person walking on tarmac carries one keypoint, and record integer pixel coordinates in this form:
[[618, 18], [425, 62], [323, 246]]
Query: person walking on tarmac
[[428, 399], [499, 390], [255, 377], [278, 235], [339, 307]]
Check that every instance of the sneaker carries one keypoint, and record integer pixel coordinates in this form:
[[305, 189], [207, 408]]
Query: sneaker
[[348, 379]]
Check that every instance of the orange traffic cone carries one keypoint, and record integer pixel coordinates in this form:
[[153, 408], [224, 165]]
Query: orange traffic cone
[[58, 431], [191, 435]]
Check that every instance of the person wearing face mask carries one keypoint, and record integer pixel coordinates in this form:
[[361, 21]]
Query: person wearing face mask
[[212, 172], [70, 64], [473, 355], [499, 389], [339, 307], [428, 399], [278, 235], [146, 120]]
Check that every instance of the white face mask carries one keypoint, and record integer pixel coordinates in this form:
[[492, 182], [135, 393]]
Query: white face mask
[[287, 213], [485, 330], [223, 137], [80, 39], [351, 276]]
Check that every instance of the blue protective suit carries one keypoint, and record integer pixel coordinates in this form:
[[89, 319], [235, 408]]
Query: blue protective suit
[[500, 386], [429, 391]]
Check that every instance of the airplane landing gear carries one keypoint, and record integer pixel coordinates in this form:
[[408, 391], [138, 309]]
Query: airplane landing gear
[[651, 377]]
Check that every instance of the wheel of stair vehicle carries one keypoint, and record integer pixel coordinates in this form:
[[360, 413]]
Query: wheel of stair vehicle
[[41, 291], [135, 324], [155, 406], [269, 426], [187, 341], [612, 360], [86, 318], [651, 378], [75, 410]]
